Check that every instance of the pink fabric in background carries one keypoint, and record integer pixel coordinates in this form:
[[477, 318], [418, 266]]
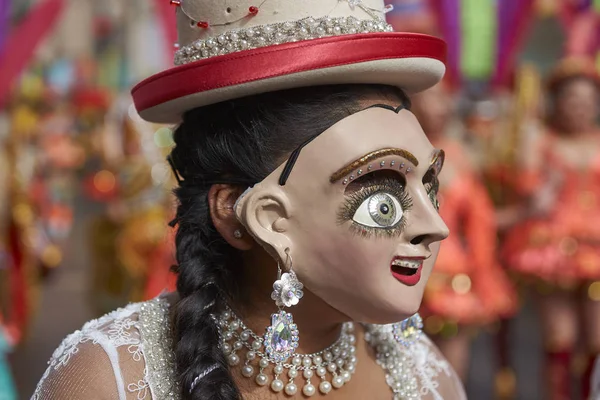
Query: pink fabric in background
[[22, 42]]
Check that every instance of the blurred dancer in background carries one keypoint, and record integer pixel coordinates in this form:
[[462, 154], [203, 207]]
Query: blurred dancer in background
[[467, 288], [134, 183], [557, 247]]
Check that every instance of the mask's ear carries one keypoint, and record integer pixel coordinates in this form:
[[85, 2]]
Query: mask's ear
[[265, 211]]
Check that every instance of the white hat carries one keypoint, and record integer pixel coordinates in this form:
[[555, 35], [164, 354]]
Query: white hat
[[236, 48]]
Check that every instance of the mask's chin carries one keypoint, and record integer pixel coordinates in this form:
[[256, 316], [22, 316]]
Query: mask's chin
[[391, 312]]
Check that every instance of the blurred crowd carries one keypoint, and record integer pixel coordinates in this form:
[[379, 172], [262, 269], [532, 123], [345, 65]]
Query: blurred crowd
[[520, 189]]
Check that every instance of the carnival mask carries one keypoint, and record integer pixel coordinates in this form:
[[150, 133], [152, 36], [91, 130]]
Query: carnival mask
[[358, 214]]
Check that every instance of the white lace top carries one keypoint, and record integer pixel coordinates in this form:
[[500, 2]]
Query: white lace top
[[127, 354]]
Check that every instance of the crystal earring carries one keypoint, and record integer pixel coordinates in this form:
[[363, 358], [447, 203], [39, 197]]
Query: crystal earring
[[332, 367], [281, 339], [238, 234], [287, 289], [409, 331]]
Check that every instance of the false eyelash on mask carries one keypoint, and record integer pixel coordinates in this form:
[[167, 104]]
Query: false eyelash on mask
[[371, 187], [432, 186]]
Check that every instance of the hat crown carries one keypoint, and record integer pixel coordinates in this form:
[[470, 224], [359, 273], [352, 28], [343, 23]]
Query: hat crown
[[222, 16], [230, 49]]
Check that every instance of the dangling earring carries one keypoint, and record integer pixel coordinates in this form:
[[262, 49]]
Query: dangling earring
[[409, 331], [287, 289], [281, 337], [333, 367]]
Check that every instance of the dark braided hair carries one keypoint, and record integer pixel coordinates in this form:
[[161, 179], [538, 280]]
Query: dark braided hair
[[241, 142]]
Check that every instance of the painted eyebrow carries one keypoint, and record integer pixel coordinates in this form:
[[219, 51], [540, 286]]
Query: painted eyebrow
[[289, 165], [364, 160], [390, 108]]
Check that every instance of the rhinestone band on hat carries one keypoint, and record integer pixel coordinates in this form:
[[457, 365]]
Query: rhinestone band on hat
[[277, 33]]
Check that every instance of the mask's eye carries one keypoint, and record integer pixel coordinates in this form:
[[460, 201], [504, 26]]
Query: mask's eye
[[380, 210]]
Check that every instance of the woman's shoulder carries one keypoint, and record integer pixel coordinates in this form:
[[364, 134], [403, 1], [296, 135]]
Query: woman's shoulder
[[113, 356]]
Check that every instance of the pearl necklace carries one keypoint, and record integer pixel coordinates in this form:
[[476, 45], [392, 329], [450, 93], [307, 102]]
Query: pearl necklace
[[334, 365], [397, 361]]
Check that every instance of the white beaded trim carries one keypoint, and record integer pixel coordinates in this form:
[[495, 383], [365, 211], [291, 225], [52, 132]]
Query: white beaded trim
[[273, 34], [155, 332]]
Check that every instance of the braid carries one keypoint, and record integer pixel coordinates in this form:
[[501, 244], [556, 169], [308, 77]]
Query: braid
[[239, 141], [201, 279]]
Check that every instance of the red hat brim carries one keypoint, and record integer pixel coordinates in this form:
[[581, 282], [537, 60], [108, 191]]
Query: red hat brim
[[413, 62]]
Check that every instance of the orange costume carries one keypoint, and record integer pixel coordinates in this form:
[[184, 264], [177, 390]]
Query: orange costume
[[467, 285], [562, 245], [558, 244]]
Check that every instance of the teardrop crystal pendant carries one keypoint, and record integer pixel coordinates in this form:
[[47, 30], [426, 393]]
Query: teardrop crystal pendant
[[409, 331], [281, 338]]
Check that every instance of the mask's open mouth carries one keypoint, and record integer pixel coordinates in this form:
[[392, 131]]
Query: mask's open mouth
[[407, 271]]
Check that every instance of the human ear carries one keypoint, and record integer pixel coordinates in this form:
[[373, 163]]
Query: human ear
[[221, 199]]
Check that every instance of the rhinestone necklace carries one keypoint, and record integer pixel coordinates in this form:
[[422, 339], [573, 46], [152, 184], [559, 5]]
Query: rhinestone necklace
[[332, 366], [399, 362]]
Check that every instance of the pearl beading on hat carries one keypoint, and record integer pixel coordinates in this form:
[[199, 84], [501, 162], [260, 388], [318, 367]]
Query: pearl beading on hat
[[277, 33]]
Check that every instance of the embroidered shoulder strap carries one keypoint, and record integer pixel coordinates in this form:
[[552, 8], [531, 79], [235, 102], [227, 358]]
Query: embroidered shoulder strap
[[155, 331]]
